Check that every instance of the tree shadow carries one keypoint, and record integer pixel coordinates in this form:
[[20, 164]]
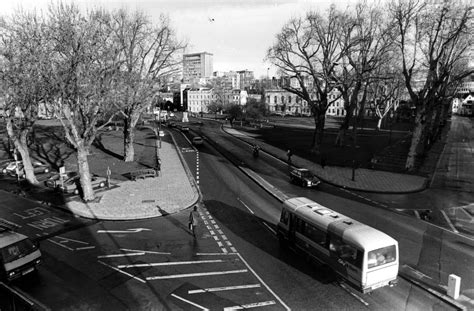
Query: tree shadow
[[249, 227]]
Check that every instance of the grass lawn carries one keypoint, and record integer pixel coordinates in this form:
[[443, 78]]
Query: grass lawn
[[368, 142]]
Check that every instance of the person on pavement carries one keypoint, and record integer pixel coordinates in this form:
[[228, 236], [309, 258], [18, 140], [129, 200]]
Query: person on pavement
[[193, 220]]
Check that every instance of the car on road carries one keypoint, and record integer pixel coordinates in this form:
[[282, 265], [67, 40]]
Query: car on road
[[55, 180], [72, 185], [9, 167], [197, 141], [38, 168], [183, 128], [303, 177]]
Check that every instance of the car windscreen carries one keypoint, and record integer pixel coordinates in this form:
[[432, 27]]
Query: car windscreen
[[17, 250]]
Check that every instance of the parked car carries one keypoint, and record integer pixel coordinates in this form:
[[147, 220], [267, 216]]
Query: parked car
[[8, 167], [304, 177], [38, 168], [55, 180], [197, 141], [72, 184]]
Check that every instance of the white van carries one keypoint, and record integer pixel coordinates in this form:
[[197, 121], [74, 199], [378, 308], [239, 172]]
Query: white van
[[18, 254]]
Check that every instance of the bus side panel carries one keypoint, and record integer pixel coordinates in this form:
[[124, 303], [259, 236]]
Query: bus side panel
[[311, 248]]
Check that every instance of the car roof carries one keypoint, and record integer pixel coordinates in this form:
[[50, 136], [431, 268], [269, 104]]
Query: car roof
[[9, 237]]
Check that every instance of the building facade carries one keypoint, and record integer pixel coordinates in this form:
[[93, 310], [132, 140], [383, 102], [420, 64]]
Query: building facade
[[197, 66]]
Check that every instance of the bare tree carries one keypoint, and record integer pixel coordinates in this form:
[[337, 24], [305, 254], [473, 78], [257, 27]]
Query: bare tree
[[85, 65], [308, 50], [366, 43], [433, 41], [24, 75], [150, 54]]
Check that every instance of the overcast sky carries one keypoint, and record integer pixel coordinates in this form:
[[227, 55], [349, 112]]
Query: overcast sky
[[237, 32]]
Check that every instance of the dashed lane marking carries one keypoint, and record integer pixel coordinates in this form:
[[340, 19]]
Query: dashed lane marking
[[146, 252]]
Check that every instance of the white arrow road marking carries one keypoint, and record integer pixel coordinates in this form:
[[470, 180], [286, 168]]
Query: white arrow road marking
[[167, 263], [134, 230], [177, 276], [190, 302], [219, 289]]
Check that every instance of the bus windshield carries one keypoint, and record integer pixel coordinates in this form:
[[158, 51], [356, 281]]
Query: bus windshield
[[17, 250], [381, 256]]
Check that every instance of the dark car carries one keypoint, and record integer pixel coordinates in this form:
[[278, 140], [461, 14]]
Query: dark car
[[55, 180], [304, 177], [72, 184]]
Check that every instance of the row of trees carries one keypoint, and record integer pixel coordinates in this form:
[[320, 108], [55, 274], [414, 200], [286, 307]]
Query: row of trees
[[85, 66], [378, 53]]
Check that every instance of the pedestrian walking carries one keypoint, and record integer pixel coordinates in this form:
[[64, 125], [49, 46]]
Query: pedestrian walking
[[289, 154], [193, 220], [158, 166], [323, 161]]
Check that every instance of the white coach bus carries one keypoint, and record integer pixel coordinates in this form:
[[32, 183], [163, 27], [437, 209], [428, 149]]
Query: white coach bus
[[365, 257]]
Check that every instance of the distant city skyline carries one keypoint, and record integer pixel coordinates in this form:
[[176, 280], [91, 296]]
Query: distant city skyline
[[237, 32]]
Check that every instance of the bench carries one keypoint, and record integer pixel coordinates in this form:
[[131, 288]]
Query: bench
[[142, 174]]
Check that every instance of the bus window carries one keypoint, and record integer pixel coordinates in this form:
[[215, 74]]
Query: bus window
[[346, 251], [315, 234], [17, 250], [381, 256], [284, 216]]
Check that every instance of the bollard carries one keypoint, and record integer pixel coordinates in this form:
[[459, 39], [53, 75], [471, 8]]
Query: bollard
[[454, 285]]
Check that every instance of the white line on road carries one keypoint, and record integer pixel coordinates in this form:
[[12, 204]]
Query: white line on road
[[173, 263], [146, 252], [116, 269], [187, 275], [134, 230], [121, 255], [264, 284], [251, 305], [245, 206], [211, 254], [215, 237], [85, 247], [233, 249], [449, 221], [224, 250], [59, 244], [353, 294], [190, 302], [270, 228], [219, 289]]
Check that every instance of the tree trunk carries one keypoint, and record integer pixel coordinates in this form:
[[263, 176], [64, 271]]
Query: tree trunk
[[343, 128], [417, 141], [129, 136], [379, 124], [319, 120], [83, 165], [21, 145]]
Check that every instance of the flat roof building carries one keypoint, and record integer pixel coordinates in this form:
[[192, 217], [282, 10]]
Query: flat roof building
[[196, 66]]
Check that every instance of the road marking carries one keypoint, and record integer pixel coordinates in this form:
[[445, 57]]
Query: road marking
[[85, 247], [146, 252], [250, 210], [134, 230], [219, 289], [60, 244], [211, 254], [233, 249], [212, 232], [190, 302], [264, 284], [449, 221], [224, 250], [251, 305], [224, 237], [215, 237], [353, 294], [270, 228], [220, 244], [121, 255], [188, 275], [116, 269], [173, 263]]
